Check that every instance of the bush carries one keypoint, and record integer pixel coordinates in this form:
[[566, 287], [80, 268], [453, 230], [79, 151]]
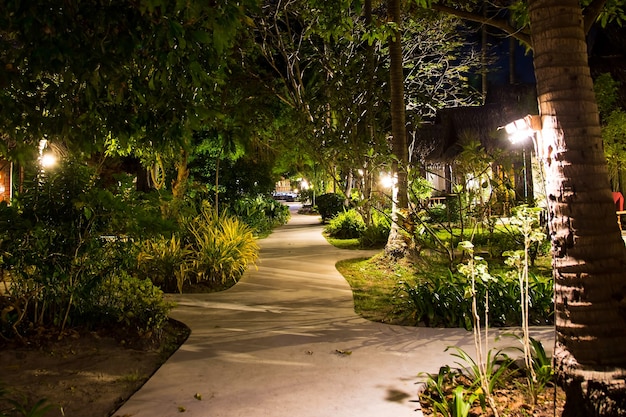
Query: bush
[[329, 205], [438, 302], [260, 213], [438, 213], [346, 225], [222, 246], [167, 262], [377, 234], [134, 303], [54, 247]]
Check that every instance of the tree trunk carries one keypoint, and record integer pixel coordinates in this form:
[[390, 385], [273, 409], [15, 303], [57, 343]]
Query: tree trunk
[[395, 245], [179, 184], [589, 256]]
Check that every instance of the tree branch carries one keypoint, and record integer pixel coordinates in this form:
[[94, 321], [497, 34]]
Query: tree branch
[[501, 24], [592, 12]]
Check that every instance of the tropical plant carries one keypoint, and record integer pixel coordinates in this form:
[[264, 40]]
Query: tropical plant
[[10, 407], [346, 225], [56, 238], [167, 262], [223, 246], [476, 270], [539, 373], [438, 301], [489, 375], [260, 213], [329, 205], [438, 388], [526, 221], [377, 233], [134, 303]]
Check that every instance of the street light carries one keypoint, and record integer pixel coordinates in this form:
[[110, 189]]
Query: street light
[[521, 129], [47, 159]]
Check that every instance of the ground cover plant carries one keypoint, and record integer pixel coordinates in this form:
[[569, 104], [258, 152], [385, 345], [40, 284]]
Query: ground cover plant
[[474, 296], [84, 267]]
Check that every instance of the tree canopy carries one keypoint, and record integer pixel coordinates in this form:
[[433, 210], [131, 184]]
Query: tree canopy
[[84, 72]]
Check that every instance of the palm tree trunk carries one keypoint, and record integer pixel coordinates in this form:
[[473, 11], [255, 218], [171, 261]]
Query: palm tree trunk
[[589, 256]]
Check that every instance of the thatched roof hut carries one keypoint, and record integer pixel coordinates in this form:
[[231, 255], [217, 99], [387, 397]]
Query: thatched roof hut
[[442, 139]]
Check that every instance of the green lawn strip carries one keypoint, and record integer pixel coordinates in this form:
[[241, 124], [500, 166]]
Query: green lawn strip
[[373, 288]]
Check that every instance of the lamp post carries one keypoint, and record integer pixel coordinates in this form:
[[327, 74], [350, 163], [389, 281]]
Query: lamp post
[[520, 130]]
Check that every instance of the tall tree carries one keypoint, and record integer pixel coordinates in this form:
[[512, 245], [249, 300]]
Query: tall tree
[[396, 246], [142, 72], [589, 255]]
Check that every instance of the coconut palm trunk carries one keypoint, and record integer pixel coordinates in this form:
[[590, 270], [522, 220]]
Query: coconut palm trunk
[[589, 256]]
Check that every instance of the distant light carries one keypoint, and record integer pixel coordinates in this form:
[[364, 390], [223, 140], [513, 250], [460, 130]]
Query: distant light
[[48, 160], [387, 180]]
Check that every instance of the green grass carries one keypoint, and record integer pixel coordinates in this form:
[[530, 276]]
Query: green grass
[[375, 283], [352, 244], [373, 286]]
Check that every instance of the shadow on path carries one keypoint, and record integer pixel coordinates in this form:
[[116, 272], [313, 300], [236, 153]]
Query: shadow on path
[[285, 342]]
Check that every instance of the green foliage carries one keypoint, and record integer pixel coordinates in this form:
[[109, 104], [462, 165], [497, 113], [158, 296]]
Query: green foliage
[[167, 262], [15, 407], [222, 246], [346, 225], [606, 91], [437, 302], [539, 372], [440, 301], [260, 213], [62, 239], [437, 390], [376, 234], [161, 65], [211, 248], [495, 368], [134, 303], [329, 205], [613, 119]]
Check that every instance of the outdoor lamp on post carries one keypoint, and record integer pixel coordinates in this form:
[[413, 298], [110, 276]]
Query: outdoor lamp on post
[[518, 131], [523, 128], [47, 159]]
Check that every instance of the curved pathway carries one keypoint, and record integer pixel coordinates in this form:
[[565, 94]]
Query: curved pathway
[[285, 342]]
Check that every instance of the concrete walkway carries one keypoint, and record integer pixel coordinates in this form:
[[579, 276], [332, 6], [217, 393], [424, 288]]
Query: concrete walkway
[[285, 342]]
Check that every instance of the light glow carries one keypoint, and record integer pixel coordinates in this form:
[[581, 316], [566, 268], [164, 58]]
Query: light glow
[[48, 160]]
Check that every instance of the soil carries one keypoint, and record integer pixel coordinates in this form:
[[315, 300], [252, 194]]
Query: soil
[[81, 373], [514, 401]]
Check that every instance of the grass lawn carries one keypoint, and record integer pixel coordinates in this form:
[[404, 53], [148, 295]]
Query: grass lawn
[[376, 282]]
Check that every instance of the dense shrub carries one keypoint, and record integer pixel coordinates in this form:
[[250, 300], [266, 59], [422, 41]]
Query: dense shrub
[[438, 213], [212, 248], [166, 262], [377, 234], [329, 205], [346, 225], [134, 303], [222, 246], [60, 240], [260, 213]]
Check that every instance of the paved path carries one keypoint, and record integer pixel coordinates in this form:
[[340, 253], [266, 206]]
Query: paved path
[[269, 346]]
